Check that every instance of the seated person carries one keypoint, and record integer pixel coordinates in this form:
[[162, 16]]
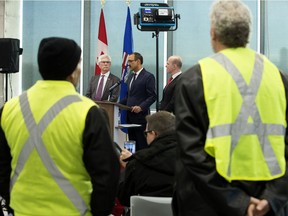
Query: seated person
[[150, 171]]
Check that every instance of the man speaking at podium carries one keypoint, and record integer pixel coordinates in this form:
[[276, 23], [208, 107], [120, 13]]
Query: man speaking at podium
[[140, 96]]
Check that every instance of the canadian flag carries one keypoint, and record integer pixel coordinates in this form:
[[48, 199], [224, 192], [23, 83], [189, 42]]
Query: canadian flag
[[102, 41]]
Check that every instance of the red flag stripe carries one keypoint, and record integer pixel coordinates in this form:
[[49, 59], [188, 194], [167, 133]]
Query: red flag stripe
[[102, 36], [102, 46]]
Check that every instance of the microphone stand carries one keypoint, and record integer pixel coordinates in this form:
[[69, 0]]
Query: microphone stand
[[110, 94], [112, 88]]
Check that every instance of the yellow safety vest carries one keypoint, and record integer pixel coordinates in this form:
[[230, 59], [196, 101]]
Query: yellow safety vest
[[45, 137], [246, 104]]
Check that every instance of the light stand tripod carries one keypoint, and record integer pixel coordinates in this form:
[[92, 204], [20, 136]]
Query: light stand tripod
[[156, 29]]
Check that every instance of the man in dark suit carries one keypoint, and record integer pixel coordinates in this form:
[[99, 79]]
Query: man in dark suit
[[100, 84], [173, 66], [140, 96]]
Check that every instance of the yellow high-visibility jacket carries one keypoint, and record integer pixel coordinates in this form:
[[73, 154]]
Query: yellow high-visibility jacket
[[44, 148], [246, 106]]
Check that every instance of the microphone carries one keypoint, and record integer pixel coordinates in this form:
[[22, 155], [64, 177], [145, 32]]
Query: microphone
[[115, 85]]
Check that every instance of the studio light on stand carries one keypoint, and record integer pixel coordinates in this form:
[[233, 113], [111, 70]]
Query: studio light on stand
[[156, 17]]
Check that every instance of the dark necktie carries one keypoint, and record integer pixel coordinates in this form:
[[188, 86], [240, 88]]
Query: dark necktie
[[133, 79], [169, 81], [100, 88]]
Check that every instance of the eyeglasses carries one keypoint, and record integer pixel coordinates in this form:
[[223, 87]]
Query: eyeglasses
[[131, 60], [107, 62], [146, 132]]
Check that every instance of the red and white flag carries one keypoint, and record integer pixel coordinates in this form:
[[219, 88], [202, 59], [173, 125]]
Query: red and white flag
[[102, 41]]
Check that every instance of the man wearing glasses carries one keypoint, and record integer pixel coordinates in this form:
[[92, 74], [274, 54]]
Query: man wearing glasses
[[100, 84], [141, 95], [150, 171]]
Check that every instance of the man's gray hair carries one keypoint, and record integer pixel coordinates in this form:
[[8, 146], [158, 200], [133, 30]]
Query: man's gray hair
[[101, 57], [231, 20]]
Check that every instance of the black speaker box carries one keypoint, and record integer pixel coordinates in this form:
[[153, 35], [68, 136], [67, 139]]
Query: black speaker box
[[9, 55]]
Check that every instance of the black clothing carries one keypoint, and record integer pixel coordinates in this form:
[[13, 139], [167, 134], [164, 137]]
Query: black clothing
[[141, 92], [150, 171], [199, 189], [168, 98]]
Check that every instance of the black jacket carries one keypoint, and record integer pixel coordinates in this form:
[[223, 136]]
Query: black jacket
[[200, 190], [150, 172], [141, 93], [168, 98]]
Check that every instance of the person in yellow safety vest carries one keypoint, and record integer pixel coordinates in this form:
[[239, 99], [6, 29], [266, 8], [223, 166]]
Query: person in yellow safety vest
[[56, 152], [231, 125]]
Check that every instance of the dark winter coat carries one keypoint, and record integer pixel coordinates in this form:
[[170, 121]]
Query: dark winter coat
[[150, 172]]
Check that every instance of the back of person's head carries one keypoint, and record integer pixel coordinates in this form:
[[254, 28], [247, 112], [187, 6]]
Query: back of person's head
[[138, 56], [104, 56], [58, 58], [231, 20], [161, 122]]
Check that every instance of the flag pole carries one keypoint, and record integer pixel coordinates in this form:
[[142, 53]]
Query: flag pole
[[125, 73]]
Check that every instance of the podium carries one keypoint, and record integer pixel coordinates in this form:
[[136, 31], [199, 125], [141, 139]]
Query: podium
[[112, 110]]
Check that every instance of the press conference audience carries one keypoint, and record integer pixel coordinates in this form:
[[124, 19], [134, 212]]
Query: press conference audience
[[173, 67], [231, 126], [150, 171], [98, 89], [56, 153]]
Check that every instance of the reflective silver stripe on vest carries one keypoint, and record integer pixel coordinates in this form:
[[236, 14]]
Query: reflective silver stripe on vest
[[248, 108], [35, 141]]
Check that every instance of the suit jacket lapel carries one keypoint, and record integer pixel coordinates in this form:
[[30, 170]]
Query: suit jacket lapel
[[109, 80], [139, 77]]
